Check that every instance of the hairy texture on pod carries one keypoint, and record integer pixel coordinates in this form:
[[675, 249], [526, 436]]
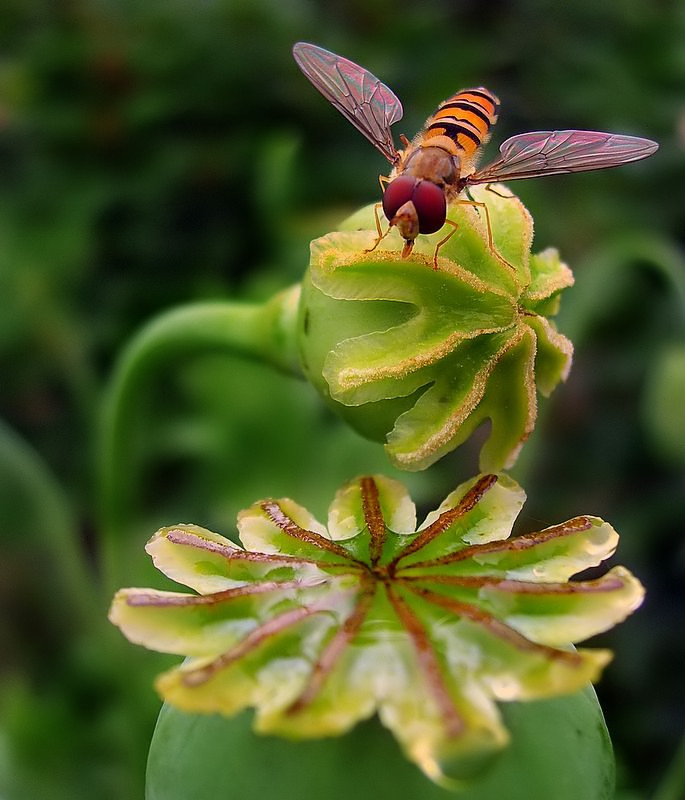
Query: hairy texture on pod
[[418, 358]]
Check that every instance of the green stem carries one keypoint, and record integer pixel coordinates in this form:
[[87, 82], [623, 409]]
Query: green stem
[[264, 332], [672, 786], [26, 478]]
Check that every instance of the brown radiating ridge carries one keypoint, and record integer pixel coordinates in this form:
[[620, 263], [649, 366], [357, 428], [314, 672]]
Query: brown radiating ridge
[[467, 502], [276, 514], [495, 626], [158, 599], [606, 583], [233, 553], [428, 663], [512, 544], [336, 647], [373, 516], [254, 638]]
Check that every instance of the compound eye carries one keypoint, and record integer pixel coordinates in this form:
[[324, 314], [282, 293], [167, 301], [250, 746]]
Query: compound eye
[[398, 192], [431, 206]]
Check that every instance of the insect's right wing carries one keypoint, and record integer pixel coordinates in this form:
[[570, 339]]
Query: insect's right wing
[[361, 97], [533, 155]]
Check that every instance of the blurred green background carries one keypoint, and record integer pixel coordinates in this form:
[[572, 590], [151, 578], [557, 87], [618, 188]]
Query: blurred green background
[[160, 152]]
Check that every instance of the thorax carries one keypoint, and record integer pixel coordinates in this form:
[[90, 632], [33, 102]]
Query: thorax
[[432, 163]]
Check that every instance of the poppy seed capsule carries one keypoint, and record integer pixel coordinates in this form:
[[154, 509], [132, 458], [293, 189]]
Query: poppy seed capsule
[[419, 358]]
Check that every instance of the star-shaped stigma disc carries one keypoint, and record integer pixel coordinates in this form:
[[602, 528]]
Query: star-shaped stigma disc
[[319, 627]]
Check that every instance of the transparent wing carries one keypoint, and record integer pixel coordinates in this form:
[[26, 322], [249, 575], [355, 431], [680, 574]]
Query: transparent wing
[[366, 102], [532, 155]]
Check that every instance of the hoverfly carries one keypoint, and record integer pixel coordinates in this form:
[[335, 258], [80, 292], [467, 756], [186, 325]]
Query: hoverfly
[[440, 163]]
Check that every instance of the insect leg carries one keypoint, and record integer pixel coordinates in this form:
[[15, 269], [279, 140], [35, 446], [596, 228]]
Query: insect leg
[[488, 188], [444, 241], [491, 243], [379, 230]]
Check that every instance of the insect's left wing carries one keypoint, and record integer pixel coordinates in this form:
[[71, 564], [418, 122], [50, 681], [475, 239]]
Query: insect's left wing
[[533, 155], [361, 97]]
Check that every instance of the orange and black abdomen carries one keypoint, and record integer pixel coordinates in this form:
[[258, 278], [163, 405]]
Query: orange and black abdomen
[[466, 118]]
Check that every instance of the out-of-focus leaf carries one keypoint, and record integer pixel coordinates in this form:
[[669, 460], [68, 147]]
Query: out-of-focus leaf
[[664, 402]]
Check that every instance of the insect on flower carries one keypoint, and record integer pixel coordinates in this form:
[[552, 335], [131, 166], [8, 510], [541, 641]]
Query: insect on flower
[[440, 163]]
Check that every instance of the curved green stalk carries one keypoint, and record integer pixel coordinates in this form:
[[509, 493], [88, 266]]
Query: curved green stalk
[[25, 477], [264, 332]]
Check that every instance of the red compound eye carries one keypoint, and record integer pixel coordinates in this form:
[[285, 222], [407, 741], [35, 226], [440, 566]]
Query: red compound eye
[[431, 206], [397, 193]]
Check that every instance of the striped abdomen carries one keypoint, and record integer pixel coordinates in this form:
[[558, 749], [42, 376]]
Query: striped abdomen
[[466, 118]]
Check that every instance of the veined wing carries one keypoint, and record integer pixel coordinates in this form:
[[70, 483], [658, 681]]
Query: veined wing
[[533, 155], [361, 97]]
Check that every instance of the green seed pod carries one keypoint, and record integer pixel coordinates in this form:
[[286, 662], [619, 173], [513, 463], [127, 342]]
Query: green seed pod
[[202, 755], [418, 357]]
